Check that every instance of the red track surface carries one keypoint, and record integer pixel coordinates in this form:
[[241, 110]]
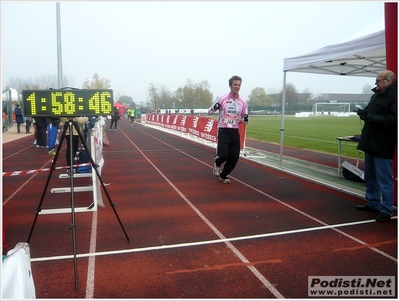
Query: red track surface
[[179, 218]]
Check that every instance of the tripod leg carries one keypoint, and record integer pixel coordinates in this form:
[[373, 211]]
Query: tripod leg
[[39, 209], [94, 165], [73, 224]]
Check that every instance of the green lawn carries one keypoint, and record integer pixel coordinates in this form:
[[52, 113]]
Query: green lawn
[[317, 133]]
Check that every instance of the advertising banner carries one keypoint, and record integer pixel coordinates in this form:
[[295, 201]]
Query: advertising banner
[[202, 127]]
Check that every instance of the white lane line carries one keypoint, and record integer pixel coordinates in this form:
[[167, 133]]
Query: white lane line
[[92, 259], [16, 153], [323, 223], [291, 207], [24, 184], [92, 254], [205, 242], [256, 273]]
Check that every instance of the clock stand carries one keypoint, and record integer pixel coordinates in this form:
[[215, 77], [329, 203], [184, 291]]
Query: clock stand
[[71, 126]]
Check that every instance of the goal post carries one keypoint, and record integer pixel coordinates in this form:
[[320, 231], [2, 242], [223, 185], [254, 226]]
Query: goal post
[[323, 108]]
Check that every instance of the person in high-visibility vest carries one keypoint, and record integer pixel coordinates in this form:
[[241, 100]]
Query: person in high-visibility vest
[[132, 115]]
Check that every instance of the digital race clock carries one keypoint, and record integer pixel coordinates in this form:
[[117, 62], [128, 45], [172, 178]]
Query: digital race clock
[[67, 103]]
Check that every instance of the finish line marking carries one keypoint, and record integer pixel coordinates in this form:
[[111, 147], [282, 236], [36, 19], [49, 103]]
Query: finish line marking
[[206, 242]]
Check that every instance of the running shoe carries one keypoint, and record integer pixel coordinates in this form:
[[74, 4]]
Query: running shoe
[[52, 152], [216, 170], [225, 181]]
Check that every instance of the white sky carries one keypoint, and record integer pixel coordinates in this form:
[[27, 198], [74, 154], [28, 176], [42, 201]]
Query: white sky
[[135, 43]]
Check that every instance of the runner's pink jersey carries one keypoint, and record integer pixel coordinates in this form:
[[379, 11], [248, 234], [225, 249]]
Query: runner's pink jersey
[[230, 112]]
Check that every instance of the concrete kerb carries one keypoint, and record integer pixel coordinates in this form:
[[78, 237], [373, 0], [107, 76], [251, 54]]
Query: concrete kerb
[[316, 173]]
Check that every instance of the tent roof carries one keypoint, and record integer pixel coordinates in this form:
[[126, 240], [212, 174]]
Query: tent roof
[[14, 95], [119, 105], [363, 56]]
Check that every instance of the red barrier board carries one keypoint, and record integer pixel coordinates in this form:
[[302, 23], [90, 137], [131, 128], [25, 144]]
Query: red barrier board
[[202, 127]]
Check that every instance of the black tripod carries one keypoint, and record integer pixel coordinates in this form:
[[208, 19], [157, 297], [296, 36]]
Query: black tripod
[[71, 125]]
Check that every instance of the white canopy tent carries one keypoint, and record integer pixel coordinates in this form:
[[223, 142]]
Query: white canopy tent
[[363, 56]]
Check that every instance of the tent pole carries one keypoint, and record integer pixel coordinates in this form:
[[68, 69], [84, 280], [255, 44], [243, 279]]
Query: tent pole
[[282, 117]]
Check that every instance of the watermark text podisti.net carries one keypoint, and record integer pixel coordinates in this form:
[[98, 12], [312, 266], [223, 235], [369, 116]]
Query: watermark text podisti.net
[[351, 286]]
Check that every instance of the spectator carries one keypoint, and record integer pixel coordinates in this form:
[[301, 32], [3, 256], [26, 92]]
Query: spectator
[[378, 142], [19, 118], [28, 123], [41, 137], [52, 131], [75, 138], [114, 118]]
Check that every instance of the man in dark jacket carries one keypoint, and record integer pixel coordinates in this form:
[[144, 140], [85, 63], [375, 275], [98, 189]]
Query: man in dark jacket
[[114, 118], [19, 118], [378, 142]]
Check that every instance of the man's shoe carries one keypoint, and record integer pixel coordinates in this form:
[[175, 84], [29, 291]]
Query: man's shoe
[[216, 170], [225, 181], [366, 208], [383, 217], [53, 152]]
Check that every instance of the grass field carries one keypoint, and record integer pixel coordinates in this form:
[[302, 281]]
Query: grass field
[[317, 133]]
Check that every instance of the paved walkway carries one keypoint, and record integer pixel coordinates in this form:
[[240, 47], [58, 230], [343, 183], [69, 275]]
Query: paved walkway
[[314, 172], [11, 134]]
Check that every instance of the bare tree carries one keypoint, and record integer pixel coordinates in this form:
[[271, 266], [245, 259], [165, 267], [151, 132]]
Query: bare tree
[[291, 96], [43, 82], [125, 99], [96, 83], [367, 89], [153, 96], [194, 95]]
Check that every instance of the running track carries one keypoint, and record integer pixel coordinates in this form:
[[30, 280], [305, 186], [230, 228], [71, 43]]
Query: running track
[[191, 236]]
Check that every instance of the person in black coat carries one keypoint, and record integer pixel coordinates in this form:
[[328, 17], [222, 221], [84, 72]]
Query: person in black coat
[[41, 135], [378, 142], [19, 118], [114, 118]]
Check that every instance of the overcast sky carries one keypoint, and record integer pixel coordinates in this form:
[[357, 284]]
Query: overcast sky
[[135, 43]]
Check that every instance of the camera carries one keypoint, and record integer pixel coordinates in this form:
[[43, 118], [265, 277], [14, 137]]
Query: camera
[[356, 108]]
